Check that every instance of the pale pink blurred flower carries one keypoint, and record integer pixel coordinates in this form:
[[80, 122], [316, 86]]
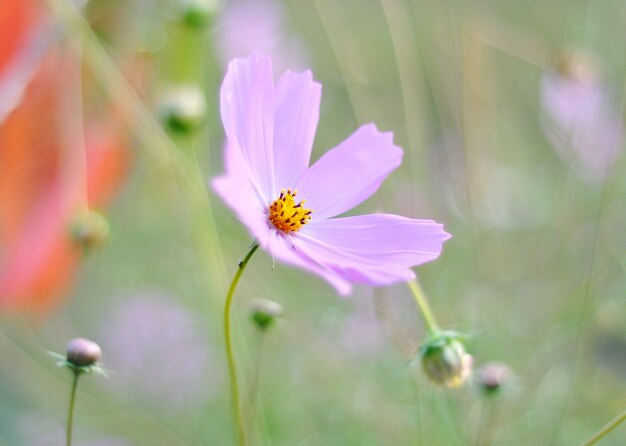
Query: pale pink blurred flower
[[41, 430], [157, 353], [247, 26], [581, 121], [362, 334]]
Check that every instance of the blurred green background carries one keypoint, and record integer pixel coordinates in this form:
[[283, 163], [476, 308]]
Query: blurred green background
[[534, 271]]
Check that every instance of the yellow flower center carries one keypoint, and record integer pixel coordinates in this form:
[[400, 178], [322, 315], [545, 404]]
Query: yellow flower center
[[286, 215]]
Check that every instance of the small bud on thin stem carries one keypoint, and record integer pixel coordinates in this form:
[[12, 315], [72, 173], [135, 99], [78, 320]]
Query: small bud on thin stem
[[182, 108], [578, 66], [493, 376], [198, 13], [81, 357], [264, 312], [445, 361], [89, 229], [83, 352]]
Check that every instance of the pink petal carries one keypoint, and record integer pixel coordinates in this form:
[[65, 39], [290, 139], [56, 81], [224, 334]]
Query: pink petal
[[247, 108], [373, 249], [350, 173], [297, 114], [351, 267], [282, 247], [238, 192], [383, 238]]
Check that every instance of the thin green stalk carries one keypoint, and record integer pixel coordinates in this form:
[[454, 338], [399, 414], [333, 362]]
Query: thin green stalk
[[232, 367], [256, 378], [422, 303], [606, 429], [146, 127], [485, 421], [70, 411]]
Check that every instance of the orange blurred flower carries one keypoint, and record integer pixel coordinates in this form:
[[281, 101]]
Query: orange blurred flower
[[51, 165]]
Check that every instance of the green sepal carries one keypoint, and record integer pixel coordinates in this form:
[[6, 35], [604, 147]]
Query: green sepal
[[61, 361]]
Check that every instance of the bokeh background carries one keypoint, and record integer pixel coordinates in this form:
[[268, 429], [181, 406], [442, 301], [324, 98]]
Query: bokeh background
[[510, 116]]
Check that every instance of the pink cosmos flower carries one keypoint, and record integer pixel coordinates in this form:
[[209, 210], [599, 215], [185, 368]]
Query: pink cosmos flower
[[288, 205], [580, 120], [264, 22]]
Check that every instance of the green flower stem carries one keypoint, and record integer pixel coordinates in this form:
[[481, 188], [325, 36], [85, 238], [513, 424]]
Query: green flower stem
[[606, 429], [422, 303], [70, 411], [256, 378], [232, 367]]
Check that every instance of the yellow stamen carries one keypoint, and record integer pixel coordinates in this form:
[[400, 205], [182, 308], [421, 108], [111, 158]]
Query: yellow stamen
[[286, 215]]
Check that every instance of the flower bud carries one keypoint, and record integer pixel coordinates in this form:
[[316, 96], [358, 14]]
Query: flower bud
[[493, 376], [578, 66], [264, 311], [182, 108], [198, 13], [83, 352], [445, 361], [89, 229]]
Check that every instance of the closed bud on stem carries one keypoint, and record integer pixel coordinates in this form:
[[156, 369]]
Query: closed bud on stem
[[198, 13], [182, 108], [445, 361], [89, 229], [492, 376], [578, 66], [83, 353], [263, 312]]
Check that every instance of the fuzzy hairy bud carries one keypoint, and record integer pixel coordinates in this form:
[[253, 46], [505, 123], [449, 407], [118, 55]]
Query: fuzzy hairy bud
[[492, 376], [83, 352]]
